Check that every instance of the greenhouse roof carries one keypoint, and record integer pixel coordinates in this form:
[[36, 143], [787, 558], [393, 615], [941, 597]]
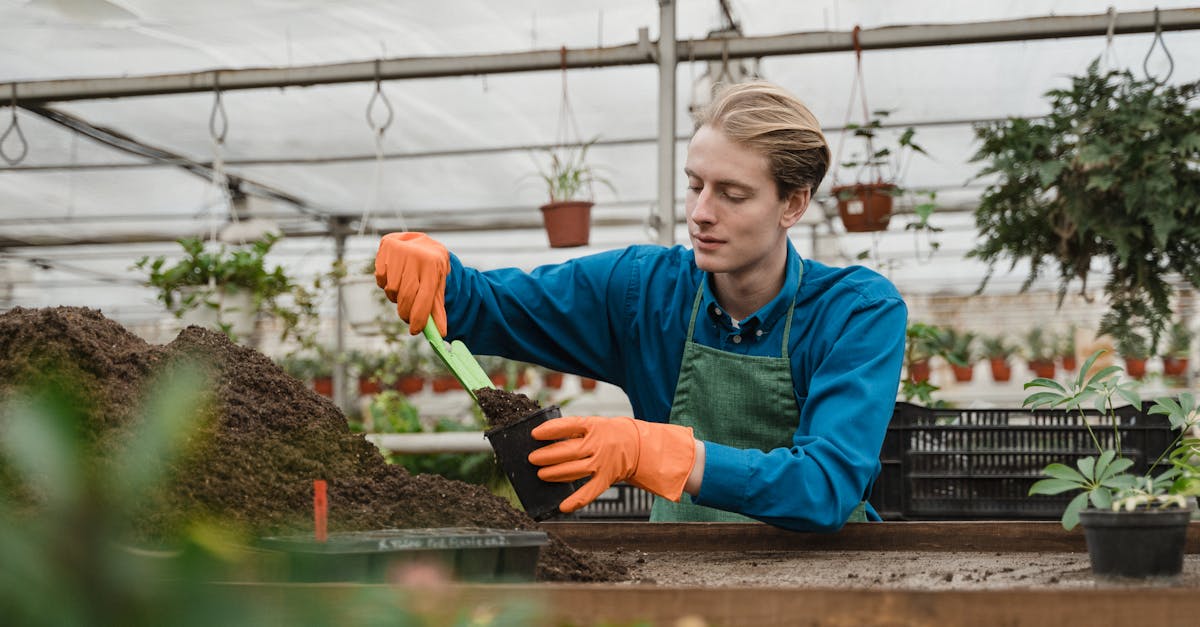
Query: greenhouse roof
[[102, 174]]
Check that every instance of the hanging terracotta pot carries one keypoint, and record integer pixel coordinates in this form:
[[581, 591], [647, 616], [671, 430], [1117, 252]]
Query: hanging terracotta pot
[[568, 223], [587, 384], [963, 374], [1068, 363], [1001, 371], [553, 380], [1175, 366], [1043, 368], [918, 370], [1135, 367], [865, 207]]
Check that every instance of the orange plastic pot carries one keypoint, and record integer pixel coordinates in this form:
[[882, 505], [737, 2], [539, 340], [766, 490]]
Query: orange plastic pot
[[1042, 368], [323, 386], [1175, 366], [1135, 367], [919, 370], [1001, 371], [410, 384]]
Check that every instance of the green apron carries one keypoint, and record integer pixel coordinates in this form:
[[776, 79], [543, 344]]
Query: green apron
[[744, 401]]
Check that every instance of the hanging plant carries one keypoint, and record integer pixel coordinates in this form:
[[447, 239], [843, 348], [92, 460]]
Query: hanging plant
[[1109, 175], [866, 204]]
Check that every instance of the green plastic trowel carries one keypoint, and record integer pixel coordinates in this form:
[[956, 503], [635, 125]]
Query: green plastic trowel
[[459, 360]]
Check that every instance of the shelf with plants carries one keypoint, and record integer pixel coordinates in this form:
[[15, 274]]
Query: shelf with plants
[[228, 288]]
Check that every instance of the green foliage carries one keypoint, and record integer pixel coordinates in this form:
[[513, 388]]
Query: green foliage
[[1109, 175], [1130, 342], [921, 392], [1040, 345], [1104, 480], [997, 347], [923, 342], [391, 412], [1179, 340], [957, 347], [567, 174], [1066, 341], [886, 162], [203, 273]]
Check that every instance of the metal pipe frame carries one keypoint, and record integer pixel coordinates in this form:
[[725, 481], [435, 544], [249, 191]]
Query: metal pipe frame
[[32, 93]]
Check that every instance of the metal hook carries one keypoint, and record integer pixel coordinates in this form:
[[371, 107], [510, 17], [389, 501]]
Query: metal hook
[[382, 97], [14, 126], [1158, 40], [218, 107]]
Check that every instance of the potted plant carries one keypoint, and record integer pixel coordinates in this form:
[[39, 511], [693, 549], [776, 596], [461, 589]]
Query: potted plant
[[923, 343], [1107, 176], [1133, 347], [1040, 352], [1136, 525], [226, 288], [866, 205], [569, 180], [997, 349], [1179, 348], [1067, 348], [958, 348]]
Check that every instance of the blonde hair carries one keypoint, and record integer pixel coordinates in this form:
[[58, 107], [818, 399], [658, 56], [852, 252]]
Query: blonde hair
[[769, 119]]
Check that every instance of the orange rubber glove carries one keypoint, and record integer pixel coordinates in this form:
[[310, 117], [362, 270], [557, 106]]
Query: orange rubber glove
[[652, 456], [411, 268]]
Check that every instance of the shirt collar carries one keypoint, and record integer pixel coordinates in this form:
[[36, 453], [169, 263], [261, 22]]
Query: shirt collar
[[767, 317]]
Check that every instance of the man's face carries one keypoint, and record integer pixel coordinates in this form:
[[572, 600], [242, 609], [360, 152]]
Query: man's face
[[735, 218]]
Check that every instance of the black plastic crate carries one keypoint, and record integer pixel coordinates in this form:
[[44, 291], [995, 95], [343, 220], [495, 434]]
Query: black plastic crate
[[962, 464], [620, 502]]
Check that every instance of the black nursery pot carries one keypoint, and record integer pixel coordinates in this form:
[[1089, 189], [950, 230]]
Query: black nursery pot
[[1138, 544], [513, 444]]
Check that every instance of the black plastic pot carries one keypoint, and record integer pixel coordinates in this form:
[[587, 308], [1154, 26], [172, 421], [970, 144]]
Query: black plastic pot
[[1138, 544], [467, 553], [513, 444]]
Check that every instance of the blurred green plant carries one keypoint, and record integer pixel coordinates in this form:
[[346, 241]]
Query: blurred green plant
[[957, 347], [71, 555]]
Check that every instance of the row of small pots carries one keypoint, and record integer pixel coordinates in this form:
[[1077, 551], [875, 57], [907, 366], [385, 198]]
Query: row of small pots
[[440, 384], [1002, 370]]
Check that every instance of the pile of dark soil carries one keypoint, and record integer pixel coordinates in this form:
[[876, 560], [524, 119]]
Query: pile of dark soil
[[253, 463]]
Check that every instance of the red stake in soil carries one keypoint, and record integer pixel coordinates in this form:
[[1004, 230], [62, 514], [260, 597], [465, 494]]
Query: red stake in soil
[[320, 509]]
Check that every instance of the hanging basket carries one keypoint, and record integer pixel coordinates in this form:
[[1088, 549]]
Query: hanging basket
[[568, 223], [865, 207]]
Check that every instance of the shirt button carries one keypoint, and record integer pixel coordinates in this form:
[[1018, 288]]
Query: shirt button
[[758, 333], [717, 310], [737, 339]]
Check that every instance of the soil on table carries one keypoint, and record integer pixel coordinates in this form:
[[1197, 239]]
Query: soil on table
[[908, 570], [262, 441], [502, 408]]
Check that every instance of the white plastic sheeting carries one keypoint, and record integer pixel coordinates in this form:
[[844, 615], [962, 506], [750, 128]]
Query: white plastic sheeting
[[455, 144]]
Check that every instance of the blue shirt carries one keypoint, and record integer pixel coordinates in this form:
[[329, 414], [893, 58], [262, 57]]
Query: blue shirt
[[621, 316]]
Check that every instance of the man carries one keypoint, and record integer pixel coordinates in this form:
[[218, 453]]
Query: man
[[761, 383]]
